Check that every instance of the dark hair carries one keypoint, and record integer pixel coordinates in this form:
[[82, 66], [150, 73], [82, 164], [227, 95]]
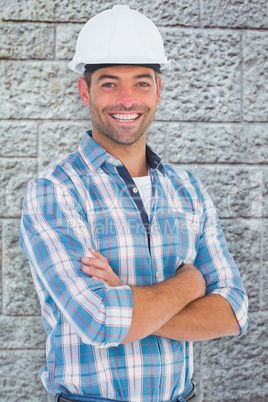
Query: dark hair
[[87, 77], [89, 70]]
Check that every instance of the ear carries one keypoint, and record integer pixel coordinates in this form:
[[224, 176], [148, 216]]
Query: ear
[[83, 89], [159, 82]]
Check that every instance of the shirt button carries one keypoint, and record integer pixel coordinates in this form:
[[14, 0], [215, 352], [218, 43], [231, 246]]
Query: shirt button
[[115, 163], [135, 190], [166, 360], [157, 275]]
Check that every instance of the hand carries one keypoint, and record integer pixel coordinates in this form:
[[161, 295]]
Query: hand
[[196, 279], [98, 267]]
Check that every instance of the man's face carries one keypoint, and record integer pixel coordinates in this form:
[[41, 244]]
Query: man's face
[[122, 101]]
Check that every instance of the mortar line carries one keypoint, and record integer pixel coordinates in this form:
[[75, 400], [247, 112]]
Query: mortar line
[[2, 266], [242, 77], [200, 7], [186, 122], [167, 143], [260, 263], [23, 316], [49, 22], [39, 147], [10, 217], [201, 370], [17, 157], [208, 122], [21, 350], [256, 218], [55, 42], [215, 164]]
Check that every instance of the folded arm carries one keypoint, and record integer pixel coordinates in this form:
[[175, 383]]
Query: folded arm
[[153, 306], [168, 306], [222, 312], [206, 318]]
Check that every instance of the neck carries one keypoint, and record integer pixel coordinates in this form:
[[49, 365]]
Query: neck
[[135, 163], [132, 156]]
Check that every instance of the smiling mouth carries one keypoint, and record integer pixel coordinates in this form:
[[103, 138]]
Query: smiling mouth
[[126, 118]]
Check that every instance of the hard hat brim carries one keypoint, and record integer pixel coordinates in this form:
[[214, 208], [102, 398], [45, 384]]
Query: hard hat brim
[[80, 67], [92, 67]]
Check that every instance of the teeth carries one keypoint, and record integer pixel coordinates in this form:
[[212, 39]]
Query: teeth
[[125, 117]]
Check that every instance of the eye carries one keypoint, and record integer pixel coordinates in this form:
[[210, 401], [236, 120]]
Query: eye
[[108, 85], [144, 84]]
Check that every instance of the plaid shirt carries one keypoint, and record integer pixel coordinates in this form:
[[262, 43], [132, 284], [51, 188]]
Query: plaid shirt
[[89, 199]]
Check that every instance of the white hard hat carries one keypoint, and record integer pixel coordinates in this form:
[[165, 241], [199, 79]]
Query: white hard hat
[[119, 36]]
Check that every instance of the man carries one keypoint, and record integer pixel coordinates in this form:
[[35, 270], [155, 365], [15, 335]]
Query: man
[[127, 254]]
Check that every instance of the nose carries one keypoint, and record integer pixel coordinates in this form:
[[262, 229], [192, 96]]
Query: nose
[[126, 97]]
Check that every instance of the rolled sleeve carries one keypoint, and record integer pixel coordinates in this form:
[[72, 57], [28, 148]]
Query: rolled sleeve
[[217, 265], [54, 236], [239, 303]]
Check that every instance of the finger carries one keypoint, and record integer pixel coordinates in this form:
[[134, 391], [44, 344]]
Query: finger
[[86, 269], [101, 280], [97, 254], [96, 263], [95, 272], [92, 261], [87, 260]]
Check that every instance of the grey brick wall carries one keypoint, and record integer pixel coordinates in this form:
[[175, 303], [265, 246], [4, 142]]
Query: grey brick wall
[[213, 119]]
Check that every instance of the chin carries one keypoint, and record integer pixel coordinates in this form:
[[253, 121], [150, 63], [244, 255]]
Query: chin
[[126, 139]]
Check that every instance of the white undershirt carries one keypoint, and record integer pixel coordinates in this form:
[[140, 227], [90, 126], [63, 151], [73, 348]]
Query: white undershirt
[[144, 186]]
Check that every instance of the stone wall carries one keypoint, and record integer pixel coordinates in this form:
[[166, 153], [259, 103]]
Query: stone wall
[[213, 120]]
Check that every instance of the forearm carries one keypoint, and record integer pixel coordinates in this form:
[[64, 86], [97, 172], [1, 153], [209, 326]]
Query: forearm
[[206, 318], [155, 305]]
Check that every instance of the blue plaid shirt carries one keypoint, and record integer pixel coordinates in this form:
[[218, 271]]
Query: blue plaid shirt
[[89, 200]]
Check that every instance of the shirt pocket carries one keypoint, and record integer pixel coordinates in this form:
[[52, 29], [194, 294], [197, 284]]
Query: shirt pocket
[[188, 232]]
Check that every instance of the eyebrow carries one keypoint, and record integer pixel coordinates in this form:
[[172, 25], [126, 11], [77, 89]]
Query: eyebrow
[[106, 76], [114, 77]]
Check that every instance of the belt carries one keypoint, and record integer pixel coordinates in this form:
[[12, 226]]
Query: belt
[[187, 395], [193, 398]]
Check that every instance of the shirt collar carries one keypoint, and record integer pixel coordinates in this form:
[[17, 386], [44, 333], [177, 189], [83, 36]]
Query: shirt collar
[[94, 155], [154, 160]]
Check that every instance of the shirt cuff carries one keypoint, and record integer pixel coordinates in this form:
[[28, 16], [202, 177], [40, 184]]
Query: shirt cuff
[[117, 305], [239, 303]]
